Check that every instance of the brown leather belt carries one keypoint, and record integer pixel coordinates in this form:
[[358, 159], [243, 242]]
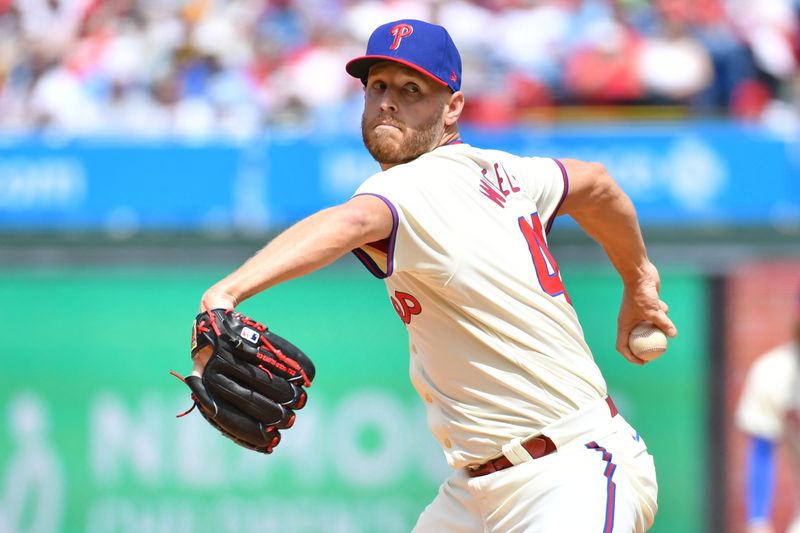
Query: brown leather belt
[[537, 446]]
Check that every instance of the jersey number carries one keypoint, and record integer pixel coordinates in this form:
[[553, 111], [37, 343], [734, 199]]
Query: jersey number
[[546, 267]]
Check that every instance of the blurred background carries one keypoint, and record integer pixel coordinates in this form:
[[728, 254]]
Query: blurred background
[[149, 147]]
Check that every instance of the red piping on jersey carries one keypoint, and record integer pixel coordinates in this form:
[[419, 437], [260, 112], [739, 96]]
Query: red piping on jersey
[[563, 196], [365, 258]]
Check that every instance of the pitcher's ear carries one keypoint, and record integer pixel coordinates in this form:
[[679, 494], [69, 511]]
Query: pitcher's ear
[[455, 105]]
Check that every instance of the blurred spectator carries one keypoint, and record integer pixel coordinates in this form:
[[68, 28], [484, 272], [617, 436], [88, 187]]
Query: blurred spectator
[[362, 16], [528, 38], [51, 24], [604, 69], [770, 29], [674, 66], [203, 68]]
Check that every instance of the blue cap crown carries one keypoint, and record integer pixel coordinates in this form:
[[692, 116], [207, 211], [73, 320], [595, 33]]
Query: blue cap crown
[[422, 46]]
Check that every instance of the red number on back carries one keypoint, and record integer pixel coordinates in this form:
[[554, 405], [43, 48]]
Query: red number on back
[[546, 267]]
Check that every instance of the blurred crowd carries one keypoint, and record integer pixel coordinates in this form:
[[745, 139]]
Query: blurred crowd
[[200, 68]]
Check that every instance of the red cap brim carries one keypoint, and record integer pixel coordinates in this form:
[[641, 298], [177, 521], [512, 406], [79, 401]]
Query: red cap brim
[[359, 67]]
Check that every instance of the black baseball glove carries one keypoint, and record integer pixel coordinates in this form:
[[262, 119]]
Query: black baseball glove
[[253, 381]]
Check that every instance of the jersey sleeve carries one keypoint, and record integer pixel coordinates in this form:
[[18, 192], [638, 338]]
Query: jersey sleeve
[[760, 411], [416, 241], [378, 257], [546, 182]]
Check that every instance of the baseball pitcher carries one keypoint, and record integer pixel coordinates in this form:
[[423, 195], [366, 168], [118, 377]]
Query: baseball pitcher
[[459, 234]]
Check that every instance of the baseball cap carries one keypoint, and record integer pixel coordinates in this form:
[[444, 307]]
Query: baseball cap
[[422, 46]]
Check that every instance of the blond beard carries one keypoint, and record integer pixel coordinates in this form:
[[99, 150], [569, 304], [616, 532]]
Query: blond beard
[[386, 152]]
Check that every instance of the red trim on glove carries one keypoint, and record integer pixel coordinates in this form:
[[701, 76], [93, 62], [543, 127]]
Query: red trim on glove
[[211, 317], [286, 360]]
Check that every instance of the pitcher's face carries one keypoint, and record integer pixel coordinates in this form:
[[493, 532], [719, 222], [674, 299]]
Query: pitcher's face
[[404, 113]]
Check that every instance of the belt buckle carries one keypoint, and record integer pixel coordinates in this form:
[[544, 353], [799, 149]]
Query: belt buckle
[[473, 470], [484, 468]]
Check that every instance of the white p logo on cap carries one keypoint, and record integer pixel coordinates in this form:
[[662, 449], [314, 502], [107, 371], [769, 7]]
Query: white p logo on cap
[[400, 31]]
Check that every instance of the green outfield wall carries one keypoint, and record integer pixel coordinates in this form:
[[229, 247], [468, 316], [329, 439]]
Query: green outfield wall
[[89, 441]]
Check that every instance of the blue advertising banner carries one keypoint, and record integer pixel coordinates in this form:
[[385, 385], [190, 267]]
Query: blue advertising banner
[[677, 174], [690, 174], [112, 186]]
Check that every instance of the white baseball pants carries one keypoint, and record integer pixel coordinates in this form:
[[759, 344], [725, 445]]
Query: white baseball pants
[[600, 480]]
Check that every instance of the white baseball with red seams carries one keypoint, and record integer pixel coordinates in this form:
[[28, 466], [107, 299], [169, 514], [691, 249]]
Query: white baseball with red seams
[[647, 342]]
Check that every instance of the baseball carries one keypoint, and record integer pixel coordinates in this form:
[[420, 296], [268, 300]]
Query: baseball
[[647, 342]]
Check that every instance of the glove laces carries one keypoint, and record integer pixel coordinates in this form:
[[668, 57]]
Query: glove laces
[[194, 400]]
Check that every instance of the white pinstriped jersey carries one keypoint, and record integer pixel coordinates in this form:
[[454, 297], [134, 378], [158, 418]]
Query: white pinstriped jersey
[[770, 403], [496, 349]]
